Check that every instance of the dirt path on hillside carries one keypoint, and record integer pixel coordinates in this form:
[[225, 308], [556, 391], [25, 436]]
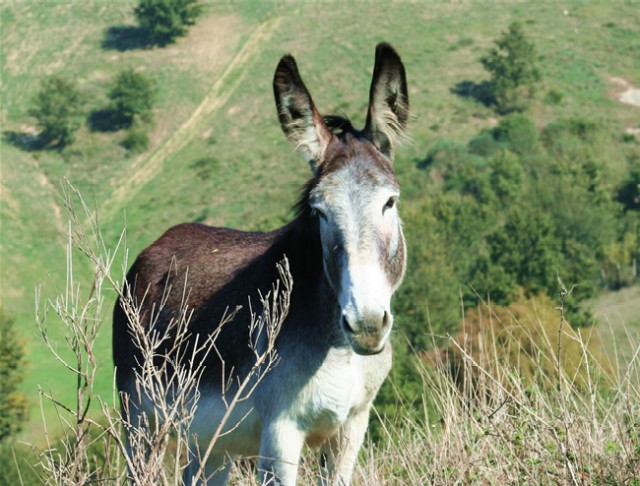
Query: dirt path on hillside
[[147, 167], [629, 95]]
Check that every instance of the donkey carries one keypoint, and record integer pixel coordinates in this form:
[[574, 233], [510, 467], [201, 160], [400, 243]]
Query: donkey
[[346, 254]]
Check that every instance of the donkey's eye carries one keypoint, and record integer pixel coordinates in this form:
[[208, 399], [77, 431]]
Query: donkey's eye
[[389, 204], [320, 214]]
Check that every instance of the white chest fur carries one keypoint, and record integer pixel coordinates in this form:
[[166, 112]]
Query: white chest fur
[[343, 386]]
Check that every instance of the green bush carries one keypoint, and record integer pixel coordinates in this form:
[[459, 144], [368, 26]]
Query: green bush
[[553, 97], [507, 177], [131, 96], [136, 140], [518, 133], [166, 20], [515, 132], [521, 253], [14, 409], [511, 211], [629, 191], [57, 107], [484, 144], [574, 130], [430, 293], [444, 155], [620, 268]]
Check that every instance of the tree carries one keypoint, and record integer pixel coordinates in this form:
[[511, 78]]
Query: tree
[[629, 192], [514, 73], [522, 253], [166, 20], [58, 109], [132, 97], [13, 403]]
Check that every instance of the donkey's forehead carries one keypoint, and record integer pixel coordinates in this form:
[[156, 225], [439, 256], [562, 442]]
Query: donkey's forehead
[[356, 162], [355, 183]]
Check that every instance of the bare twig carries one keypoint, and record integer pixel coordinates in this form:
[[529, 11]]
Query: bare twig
[[166, 377]]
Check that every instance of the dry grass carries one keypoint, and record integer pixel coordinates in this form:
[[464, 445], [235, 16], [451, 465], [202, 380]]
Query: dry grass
[[497, 426], [511, 433], [491, 425]]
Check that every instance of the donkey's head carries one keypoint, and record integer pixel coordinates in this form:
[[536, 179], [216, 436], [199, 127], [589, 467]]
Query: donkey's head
[[354, 194]]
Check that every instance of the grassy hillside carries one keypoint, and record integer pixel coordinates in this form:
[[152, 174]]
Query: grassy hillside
[[217, 154]]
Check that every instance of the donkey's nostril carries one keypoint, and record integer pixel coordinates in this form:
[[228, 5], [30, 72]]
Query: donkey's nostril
[[346, 325]]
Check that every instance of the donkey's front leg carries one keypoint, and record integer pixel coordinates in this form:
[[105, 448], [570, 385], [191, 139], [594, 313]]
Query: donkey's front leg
[[340, 453], [280, 449]]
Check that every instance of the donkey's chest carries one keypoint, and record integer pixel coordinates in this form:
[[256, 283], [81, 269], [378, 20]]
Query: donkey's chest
[[340, 389]]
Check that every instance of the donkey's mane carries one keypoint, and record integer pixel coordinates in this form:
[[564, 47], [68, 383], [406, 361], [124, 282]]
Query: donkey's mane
[[337, 122], [340, 126], [301, 207]]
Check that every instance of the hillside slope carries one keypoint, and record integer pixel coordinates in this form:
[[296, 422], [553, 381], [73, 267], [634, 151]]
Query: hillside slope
[[217, 154]]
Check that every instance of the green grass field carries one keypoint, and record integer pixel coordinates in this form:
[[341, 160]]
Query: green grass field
[[217, 153]]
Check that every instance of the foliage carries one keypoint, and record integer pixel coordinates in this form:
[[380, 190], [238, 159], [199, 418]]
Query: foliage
[[136, 140], [166, 20], [57, 107], [13, 403], [553, 97], [629, 191], [428, 298], [514, 73], [505, 215], [520, 254], [517, 133], [620, 268], [500, 219], [131, 96], [621, 256]]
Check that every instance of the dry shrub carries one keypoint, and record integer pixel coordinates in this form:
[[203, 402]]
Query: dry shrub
[[92, 447], [529, 338]]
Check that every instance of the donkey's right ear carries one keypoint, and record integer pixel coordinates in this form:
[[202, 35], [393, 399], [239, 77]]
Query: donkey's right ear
[[299, 118], [388, 101]]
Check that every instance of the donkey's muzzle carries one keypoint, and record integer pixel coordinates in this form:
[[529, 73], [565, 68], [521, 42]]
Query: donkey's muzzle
[[369, 335]]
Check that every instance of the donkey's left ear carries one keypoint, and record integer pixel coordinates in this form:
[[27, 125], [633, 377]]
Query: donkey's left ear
[[299, 118], [388, 102]]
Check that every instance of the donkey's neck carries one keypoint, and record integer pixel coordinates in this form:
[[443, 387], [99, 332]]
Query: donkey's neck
[[299, 242], [314, 305]]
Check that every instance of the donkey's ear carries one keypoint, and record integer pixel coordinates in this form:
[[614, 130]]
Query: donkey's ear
[[388, 101], [299, 118]]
